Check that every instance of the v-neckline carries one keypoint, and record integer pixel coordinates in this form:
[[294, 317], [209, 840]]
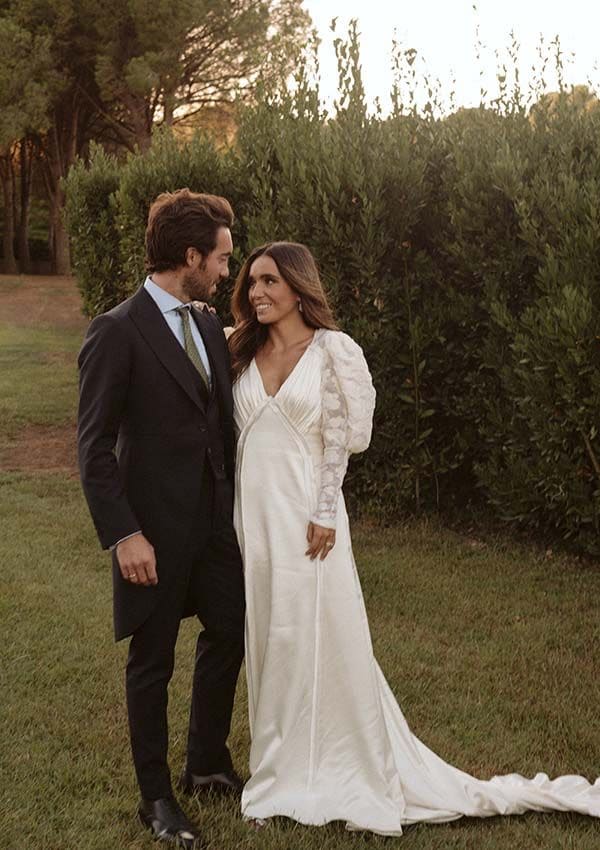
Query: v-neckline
[[290, 374]]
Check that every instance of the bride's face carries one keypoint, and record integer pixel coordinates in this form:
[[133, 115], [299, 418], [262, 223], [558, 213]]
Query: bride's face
[[271, 297]]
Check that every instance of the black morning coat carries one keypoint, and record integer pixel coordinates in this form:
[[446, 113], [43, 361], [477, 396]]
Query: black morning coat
[[146, 428]]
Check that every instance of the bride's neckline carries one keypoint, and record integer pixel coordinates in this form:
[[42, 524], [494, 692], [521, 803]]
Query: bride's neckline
[[290, 373]]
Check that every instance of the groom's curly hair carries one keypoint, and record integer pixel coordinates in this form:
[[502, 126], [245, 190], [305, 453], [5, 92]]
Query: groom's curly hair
[[181, 220]]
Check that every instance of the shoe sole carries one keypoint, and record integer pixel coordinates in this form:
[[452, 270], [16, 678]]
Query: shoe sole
[[183, 843]]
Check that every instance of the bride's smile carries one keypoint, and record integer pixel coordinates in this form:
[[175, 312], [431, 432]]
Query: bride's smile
[[269, 294]]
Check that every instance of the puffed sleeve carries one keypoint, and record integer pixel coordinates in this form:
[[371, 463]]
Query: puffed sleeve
[[348, 402]]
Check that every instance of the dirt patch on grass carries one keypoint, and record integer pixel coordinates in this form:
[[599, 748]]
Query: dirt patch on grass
[[40, 301], [41, 448]]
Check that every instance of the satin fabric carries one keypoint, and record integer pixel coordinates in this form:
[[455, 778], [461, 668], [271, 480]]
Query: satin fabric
[[329, 741]]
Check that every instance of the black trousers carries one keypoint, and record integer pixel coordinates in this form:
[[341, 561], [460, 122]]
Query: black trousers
[[210, 582]]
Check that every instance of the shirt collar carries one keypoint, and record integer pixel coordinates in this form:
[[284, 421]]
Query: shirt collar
[[164, 300]]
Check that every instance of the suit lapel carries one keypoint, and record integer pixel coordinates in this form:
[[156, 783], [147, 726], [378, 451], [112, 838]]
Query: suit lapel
[[153, 327]]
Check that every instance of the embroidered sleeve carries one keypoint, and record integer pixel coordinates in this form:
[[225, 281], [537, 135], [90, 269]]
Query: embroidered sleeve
[[348, 402]]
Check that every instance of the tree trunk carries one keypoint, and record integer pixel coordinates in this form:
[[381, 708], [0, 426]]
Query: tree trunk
[[8, 192], [59, 151], [168, 108], [140, 121], [23, 227], [61, 251]]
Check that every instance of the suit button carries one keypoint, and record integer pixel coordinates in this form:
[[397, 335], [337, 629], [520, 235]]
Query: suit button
[[209, 450]]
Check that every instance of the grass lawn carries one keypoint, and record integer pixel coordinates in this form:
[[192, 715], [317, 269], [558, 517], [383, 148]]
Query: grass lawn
[[38, 377], [491, 648]]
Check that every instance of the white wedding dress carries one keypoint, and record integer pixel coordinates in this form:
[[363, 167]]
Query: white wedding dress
[[329, 741]]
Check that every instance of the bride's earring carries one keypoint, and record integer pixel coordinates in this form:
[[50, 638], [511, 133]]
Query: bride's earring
[[300, 305]]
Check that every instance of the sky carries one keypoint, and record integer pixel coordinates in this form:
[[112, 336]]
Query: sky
[[444, 34]]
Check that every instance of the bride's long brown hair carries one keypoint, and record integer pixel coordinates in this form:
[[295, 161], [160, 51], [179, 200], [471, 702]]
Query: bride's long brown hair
[[297, 267]]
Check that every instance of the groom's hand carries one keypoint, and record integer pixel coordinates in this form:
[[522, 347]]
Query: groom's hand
[[320, 541], [137, 560]]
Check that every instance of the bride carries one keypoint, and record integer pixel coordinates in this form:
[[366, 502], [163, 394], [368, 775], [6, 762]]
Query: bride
[[329, 741]]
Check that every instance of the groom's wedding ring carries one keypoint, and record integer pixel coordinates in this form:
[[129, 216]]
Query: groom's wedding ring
[[132, 575]]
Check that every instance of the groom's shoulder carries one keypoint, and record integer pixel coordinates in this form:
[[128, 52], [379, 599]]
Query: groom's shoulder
[[206, 310], [120, 312], [208, 315], [112, 326]]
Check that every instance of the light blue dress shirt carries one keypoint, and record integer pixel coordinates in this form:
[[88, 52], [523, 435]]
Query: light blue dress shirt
[[168, 304]]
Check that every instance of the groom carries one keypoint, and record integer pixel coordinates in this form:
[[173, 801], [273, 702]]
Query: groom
[[156, 454]]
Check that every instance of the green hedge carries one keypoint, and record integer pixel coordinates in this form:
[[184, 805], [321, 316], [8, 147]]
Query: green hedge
[[93, 231], [463, 254]]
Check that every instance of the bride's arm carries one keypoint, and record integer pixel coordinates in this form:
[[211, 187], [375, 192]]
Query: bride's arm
[[348, 402]]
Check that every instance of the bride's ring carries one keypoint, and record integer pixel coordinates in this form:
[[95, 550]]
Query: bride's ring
[[329, 545]]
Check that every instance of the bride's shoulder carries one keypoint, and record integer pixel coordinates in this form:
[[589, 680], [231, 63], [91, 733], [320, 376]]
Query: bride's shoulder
[[338, 344], [346, 375]]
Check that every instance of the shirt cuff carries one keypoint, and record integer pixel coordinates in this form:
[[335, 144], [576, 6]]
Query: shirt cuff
[[133, 534]]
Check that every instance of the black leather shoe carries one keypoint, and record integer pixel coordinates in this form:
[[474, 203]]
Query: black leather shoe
[[169, 823], [227, 782]]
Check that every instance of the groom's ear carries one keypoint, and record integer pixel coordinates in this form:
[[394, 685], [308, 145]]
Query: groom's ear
[[193, 257]]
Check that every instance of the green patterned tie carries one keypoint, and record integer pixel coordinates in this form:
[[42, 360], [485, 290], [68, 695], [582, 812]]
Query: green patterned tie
[[190, 346]]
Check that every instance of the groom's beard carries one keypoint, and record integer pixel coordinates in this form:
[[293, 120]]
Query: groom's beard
[[197, 285]]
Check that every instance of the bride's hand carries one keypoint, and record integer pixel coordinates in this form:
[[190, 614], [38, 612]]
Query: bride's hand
[[320, 541], [202, 305]]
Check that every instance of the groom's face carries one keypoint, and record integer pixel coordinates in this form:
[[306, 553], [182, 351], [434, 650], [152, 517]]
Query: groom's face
[[205, 273]]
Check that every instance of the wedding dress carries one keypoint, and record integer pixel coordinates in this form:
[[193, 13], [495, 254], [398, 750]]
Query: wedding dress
[[329, 741]]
